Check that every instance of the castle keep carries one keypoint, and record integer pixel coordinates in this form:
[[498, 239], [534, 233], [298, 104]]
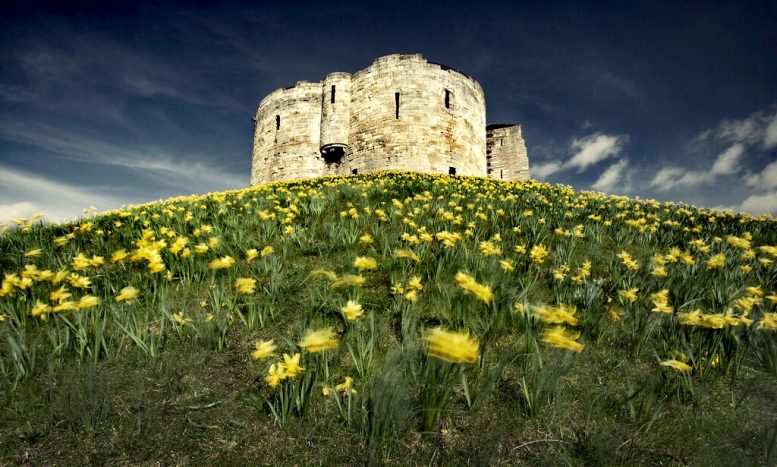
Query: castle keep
[[400, 113]]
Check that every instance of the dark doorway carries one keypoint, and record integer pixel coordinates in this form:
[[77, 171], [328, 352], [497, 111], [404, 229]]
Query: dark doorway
[[333, 154], [451, 170]]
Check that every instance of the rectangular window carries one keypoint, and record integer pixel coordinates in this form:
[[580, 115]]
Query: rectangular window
[[451, 170], [500, 141], [333, 94], [396, 105], [355, 171], [501, 175], [277, 122], [447, 99]]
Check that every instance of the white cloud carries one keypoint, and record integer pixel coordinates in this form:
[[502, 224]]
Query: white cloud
[[758, 127], [666, 178], [770, 134], [586, 152], [594, 148], [611, 177], [673, 177], [766, 179], [764, 203], [22, 209], [55, 200], [542, 171], [727, 162], [183, 175]]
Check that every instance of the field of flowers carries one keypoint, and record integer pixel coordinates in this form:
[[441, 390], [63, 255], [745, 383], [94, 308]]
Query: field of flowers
[[391, 318]]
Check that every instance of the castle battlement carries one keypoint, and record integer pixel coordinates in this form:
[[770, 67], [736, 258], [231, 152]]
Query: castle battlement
[[400, 113]]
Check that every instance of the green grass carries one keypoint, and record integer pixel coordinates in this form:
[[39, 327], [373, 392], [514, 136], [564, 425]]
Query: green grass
[[169, 378]]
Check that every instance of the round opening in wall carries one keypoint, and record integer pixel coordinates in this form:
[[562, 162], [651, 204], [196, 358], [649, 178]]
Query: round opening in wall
[[333, 153]]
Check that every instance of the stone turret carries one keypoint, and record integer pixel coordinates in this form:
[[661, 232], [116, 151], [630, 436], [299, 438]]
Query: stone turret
[[400, 113]]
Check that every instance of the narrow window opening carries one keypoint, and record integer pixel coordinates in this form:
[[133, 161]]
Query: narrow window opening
[[501, 175], [332, 100], [396, 105], [451, 170], [355, 171], [500, 141], [277, 122], [447, 99]]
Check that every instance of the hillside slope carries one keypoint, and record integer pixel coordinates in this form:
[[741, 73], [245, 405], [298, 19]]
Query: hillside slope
[[391, 318]]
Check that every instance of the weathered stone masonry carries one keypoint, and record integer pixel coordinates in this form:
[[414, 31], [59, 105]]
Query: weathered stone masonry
[[400, 113]]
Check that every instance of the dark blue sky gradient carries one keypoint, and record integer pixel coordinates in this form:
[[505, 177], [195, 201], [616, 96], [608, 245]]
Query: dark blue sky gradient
[[111, 103]]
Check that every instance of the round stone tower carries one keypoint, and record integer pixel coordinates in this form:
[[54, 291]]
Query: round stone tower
[[400, 113]]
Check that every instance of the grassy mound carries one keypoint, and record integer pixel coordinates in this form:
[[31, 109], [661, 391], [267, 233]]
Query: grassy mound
[[391, 318]]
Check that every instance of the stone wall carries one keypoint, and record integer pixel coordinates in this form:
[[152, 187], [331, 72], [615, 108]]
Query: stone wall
[[400, 113], [506, 155]]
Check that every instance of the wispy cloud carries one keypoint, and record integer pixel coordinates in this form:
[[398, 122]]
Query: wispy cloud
[[103, 72], [756, 132], [766, 179], [727, 162], [23, 194], [613, 179], [757, 129], [183, 174], [586, 152], [594, 148], [739, 144]]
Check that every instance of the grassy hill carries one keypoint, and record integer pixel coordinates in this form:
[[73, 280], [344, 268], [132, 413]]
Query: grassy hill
[[391, 318]]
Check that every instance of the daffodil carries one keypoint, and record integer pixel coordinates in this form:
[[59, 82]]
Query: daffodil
[[263, 349], [180, 318], [768, 321], [562, 338], [468, 283], [415, 283], [267, 251], [291, 365], [275, 374], [352, 310], [79, 282], [363, 263], [40, 309], [346, 386], [677, 365], [629, 295], [127, 294], [178, 245], [348, 280], [221, 263], [251, 254], [562, 314], [319, 340], [87, 301], [406, 254], [716, 262], [538, 254], [451, 346], [245, 285]]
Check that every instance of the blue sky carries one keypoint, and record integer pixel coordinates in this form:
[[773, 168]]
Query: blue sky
[[111, 103]]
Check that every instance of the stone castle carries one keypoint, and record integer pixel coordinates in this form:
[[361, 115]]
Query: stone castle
[[400, 113]]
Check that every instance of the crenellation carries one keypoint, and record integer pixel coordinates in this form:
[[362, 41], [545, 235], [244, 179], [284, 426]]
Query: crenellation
[[400, 113]]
